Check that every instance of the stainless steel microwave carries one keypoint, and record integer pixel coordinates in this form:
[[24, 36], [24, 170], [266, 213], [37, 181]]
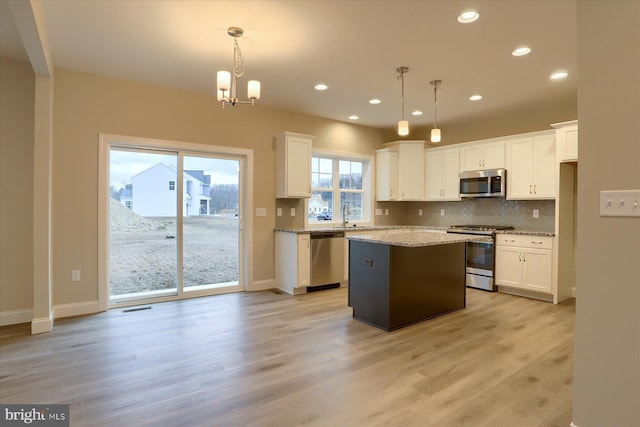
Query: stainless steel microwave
[[485, 183]]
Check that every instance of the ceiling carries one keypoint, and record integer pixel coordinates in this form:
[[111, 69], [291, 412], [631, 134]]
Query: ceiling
[[352, 46]]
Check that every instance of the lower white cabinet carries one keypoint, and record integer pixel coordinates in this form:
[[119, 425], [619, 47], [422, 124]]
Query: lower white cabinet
[[293, 277], [524, 262]]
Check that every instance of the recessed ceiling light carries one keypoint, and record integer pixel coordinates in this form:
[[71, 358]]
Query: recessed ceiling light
[[468, 16], [353, 117], [321, 86], [417, 113], [521, 51], [558, 75], [475, 97], [374, 101]]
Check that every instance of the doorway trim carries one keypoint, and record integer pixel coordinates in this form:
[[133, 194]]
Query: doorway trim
[[245, 249]]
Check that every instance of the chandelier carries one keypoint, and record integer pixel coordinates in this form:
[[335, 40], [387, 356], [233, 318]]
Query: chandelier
[[436, 135], [227, 81]]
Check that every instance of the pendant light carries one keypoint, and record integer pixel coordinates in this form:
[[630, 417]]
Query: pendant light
[[436, 135], [226, 91], [403, 125]]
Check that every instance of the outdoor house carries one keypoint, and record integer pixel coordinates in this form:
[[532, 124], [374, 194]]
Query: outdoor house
[[153, 192]]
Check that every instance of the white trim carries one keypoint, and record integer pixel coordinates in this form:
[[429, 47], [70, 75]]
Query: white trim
[[41, 325], [262, 285], [244, 155], [76, 309], [573, 424], [15, 317]]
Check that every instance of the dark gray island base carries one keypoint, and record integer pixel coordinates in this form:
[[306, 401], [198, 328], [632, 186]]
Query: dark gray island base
[[392, 286]]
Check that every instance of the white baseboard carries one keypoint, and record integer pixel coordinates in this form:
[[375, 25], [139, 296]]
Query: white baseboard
[[41, 325], [15, 317], [75, 309], [262, 285]]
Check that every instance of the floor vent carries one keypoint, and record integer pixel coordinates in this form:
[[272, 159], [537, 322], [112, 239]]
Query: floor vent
[[128, 310]]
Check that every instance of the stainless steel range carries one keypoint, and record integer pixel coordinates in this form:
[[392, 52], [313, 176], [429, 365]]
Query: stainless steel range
[[480, 255]]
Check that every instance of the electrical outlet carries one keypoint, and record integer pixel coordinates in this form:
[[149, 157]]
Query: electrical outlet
[[293, 212], [442, 212], [536, 213], [75, 275], [279, 211], [419, 212], [386, 212]]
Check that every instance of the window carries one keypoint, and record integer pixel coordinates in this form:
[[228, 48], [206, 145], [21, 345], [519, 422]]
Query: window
[[129, 204], [335, 182], [172, 185]]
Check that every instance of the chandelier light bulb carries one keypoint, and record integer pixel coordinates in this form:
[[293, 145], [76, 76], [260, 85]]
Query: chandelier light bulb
[[224, 80], [253, 89]]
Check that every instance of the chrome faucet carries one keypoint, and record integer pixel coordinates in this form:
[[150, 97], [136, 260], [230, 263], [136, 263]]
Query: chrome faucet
[[346, 210]]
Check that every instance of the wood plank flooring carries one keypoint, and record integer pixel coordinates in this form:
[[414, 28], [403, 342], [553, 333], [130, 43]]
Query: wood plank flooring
[[269, 359]]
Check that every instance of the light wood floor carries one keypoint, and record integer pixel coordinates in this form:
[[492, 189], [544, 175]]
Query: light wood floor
[[268, 359]]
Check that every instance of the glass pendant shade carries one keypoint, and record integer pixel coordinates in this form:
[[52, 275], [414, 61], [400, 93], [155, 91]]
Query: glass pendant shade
[[403, 128], [224, 80], [253, 89], [435, 135]]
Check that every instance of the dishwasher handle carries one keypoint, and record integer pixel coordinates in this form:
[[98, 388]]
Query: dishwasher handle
[[326, 234]]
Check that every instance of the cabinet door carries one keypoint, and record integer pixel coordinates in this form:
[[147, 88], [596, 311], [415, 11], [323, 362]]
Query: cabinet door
[[411, 171], [451, 180], [434, 171], [386, 175], [298, 167], [544, 185], [493, 155], [537, 270], [471, 158], [304, 260], [508, 266], [570, 148], [520, 173]]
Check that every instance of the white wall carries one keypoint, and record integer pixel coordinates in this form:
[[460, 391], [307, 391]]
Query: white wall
[[607, 352]]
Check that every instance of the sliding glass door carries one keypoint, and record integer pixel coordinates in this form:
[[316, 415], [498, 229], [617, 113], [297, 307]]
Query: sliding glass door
[[174, 223]]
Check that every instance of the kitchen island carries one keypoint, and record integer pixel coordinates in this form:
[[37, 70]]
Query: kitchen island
[[397, 279]]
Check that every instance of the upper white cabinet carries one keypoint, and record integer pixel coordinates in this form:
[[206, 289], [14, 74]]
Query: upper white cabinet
[[480, 156], [442, 167], [531, 168], [293, 165], [387, 174], [567, 141], [405, 171]]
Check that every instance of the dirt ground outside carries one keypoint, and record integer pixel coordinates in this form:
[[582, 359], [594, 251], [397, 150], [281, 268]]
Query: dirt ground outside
[[142, 251]]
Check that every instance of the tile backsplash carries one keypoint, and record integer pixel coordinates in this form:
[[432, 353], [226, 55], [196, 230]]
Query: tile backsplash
[[492, 211]]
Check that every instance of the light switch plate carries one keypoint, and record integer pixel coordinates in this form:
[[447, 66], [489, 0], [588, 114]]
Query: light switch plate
[[261, 211], [75, 275], [620, 203], [279, 211], [378, 212], [293, 212]]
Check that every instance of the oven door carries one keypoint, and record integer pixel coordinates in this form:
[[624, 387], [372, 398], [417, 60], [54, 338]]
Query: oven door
[[480, 258]]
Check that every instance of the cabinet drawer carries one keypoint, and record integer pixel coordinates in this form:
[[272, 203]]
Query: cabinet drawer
[[539, 242]]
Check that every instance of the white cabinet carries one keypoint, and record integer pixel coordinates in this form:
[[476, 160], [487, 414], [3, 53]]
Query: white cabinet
[[386, 174], [567, 141], [531, 167], [481, 156], [524, 262], [293, 277], [441, 172], [293, 165], [400, 176]]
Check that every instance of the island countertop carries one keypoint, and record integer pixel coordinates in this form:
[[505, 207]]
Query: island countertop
[[415, 238]]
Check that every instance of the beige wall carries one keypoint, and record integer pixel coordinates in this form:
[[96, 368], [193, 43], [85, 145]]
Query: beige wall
[[86, 105], [17, 87], [607, 353]]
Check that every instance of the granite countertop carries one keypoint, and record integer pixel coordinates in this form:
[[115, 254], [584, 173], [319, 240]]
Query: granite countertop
[[527, 233], [417, 238], [351, 228]]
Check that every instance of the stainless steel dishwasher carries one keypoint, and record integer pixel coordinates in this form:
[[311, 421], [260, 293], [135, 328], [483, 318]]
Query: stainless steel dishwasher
[[327, 260]]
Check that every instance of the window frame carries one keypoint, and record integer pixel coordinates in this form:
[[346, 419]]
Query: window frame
[[367, 188]]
